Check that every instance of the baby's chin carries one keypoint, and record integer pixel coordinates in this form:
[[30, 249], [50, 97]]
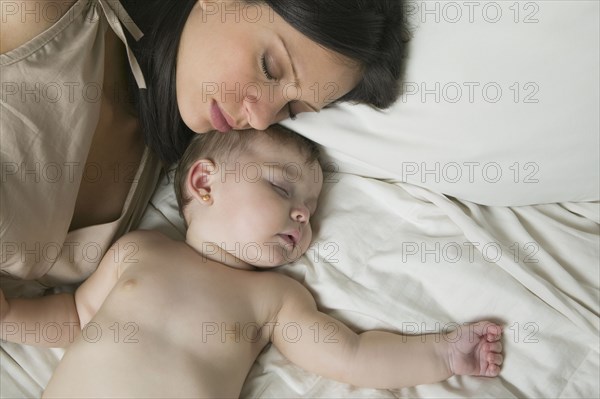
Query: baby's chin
[[276, 260]]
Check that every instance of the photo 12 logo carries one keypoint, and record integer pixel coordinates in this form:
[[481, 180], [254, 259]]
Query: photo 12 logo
[[291, 332], [469, 252], [318, 252], [71, 251], [66, 332], [471, 12], [517, 172], [255, 91], [470, 92], [237, 11], [66, 172], [34, 11], [517, 331]]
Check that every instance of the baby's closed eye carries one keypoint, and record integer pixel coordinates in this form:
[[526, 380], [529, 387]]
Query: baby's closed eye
[[285, 192]]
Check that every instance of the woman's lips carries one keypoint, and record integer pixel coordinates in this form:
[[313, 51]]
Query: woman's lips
[[218, 119]]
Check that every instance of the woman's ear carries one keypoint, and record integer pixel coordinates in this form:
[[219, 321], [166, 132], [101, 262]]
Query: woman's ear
[[200, 178]]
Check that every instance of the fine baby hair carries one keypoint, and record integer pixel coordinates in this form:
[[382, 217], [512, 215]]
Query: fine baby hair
[[221, 148]]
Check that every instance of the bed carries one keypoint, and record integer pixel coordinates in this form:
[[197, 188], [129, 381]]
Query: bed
[[474, 197]]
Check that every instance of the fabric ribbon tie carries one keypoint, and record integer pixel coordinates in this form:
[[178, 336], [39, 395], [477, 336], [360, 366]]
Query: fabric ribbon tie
[[117, 15]]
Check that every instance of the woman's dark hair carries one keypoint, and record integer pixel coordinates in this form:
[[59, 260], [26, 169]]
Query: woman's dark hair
[[162, 22], [371, 32]]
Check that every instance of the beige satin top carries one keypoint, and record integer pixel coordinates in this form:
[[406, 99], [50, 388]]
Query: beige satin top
[[49, 107]]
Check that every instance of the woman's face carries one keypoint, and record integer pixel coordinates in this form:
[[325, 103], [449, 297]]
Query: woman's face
[[242, 66]]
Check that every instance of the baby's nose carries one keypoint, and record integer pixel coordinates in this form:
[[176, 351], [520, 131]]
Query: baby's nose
[[301, 214]]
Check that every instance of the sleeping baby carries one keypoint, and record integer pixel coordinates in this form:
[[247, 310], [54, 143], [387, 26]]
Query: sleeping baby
[[162, 318]]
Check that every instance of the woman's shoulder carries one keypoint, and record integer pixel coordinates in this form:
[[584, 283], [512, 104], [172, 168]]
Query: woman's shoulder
[[23, 20]]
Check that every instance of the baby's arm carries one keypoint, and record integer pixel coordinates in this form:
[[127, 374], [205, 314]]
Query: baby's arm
[[376, 359], [59, 316]]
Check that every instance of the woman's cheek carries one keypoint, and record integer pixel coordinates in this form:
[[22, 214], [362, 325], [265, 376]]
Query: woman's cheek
[[191, 113]]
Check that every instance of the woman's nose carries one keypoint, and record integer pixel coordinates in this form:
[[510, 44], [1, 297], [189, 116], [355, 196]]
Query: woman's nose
[[262, 111]]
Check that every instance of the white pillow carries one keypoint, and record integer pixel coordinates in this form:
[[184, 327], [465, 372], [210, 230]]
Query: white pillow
[[500, 107]]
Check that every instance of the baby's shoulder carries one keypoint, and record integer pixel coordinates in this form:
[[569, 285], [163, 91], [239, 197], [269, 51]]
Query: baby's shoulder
[[144, 244], [283, 289], [267, 293]]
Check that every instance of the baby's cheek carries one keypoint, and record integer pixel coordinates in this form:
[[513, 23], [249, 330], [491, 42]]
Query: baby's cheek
[[299, 250], [306, 239]]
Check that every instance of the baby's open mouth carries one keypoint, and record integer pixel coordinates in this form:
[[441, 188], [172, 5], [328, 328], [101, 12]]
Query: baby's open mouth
[[289, 239]]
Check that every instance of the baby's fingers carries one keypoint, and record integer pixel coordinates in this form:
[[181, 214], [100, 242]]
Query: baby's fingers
[[495, 358], [492, 370], [494, 347], [490, 330], [493, 337], [491, 367]]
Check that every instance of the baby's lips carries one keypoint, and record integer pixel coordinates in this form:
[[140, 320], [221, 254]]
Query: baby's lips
[[295, 235]]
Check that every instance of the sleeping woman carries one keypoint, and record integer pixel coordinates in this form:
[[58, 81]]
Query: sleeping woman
[[91, 109]]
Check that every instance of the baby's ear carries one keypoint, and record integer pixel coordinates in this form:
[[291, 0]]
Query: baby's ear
[[200, 178]]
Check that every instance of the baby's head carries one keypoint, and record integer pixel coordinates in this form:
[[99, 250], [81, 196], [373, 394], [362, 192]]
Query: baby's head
[[250, 194]]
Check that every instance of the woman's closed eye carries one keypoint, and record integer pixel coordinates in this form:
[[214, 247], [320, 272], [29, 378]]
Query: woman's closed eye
[[269, 76], [266, 70]]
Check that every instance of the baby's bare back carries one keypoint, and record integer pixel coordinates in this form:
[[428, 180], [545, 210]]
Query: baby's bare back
[[175, 325]]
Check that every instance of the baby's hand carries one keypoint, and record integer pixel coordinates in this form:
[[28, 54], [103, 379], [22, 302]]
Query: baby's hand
[[475, 349]]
